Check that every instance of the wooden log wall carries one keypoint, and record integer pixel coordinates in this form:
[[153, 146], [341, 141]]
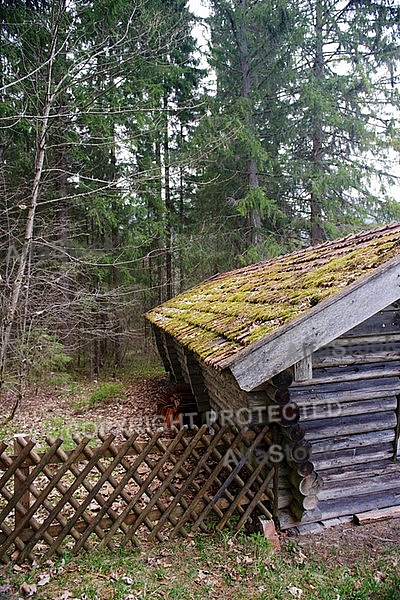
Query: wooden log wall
[[225, 395], [167, 348], [349, 412]]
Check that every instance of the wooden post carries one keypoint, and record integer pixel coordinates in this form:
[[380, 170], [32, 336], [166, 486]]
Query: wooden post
[[303, 370], [275, 483], [18, 484]]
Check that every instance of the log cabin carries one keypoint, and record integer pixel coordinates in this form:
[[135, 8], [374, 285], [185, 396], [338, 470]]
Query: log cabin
[[316, 331]]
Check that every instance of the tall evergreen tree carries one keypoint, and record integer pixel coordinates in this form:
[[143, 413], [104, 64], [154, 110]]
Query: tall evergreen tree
[[251, 55], [305, 103], [343, 101]]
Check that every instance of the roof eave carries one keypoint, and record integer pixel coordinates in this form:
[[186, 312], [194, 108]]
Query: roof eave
[[257, 363]]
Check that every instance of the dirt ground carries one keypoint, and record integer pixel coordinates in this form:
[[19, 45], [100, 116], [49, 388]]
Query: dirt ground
[[61, 410], [349, 544]]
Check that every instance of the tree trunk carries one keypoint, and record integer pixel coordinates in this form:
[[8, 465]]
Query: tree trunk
[[23, 261], [253, 215], [317, 154], [168, 206]]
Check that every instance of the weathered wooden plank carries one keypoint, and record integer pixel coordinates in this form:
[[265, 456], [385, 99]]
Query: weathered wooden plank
[[318, 327], [372, 516], [355, 441], [361, 372], [358, 486], [313, 412], [383, 322], [356, 504], [332, 458], [346, 391], [325, 429], [380, 339], [355, 355], [377, 467], [330, 509]]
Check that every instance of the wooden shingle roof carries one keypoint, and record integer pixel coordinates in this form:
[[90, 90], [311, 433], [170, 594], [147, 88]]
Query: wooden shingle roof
[[227, 318]]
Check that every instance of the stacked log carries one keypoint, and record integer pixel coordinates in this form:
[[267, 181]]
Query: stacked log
[[303, 480]]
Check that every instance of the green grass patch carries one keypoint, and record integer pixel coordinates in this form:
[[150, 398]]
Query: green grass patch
[[109, 390], [60, 379], [228, 565], [82, 398], [59, 427], [7, 432]]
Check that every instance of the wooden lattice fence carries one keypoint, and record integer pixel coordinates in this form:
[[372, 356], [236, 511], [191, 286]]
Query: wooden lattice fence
[[115, 494]]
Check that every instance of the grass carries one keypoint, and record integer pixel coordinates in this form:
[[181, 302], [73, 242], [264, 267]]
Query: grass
[[59, 427], [109, 390], [229, 566], [105, 392]]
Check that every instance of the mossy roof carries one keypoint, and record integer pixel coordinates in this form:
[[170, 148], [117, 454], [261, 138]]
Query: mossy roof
[[228, 313]]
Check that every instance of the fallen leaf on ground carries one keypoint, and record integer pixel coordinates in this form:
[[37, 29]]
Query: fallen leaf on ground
[[28, 589], [295, 591], [44, 579]]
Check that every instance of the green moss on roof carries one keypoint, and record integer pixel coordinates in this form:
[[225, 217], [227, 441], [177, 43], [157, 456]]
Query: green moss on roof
[[227, 313]]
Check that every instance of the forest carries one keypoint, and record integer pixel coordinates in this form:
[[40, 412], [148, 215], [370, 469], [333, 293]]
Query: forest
[[139, 156]]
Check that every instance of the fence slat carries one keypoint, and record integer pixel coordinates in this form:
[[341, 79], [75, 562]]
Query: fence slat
[[131, 502], [64, 500], [167, 480], [118, 489], [245, 489], [208, 484], [188, 482], [30, 509], [92, 494]]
